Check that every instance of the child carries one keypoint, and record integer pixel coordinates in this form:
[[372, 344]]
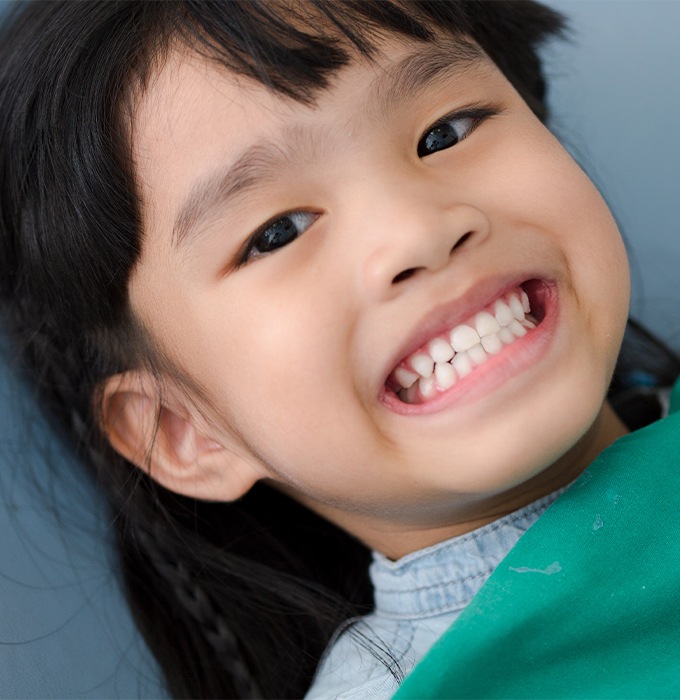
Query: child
[[306, 280]]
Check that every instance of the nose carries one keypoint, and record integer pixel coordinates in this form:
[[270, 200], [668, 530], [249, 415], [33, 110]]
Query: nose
[[414, 234]]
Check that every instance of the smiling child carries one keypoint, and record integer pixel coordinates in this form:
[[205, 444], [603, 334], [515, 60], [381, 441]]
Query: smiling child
[[307, 253]]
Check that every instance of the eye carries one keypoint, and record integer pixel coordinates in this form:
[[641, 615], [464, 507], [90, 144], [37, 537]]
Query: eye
[[452, 129], [277, 233]]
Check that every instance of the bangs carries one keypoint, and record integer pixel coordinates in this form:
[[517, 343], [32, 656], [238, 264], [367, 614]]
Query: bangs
[[294, 47]]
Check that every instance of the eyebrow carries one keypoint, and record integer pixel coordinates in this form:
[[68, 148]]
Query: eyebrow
[[251, 169], [429, 65], [261, 162]]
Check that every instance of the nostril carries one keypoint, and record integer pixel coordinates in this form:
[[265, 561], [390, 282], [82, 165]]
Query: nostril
[[404, 275], [409, 272], [461, 240]]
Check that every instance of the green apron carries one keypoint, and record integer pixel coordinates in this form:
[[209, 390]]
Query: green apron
[[587, 603]]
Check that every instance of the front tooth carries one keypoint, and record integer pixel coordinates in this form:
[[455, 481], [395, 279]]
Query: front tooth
[[423, 364], [440, 350], [492, 344], [516, 307], [405, 377], [518, 330], [502, 313], [462, 364], [506, 336], [445, 374], [525, 302], [463, 338], [486, 324], [477, 355], [427, 387]]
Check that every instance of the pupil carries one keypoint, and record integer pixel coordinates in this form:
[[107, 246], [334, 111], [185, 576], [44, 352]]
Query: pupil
[[278, 234], [440, 137]]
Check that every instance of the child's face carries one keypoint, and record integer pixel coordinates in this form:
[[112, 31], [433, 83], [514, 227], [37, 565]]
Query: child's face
[[388, 240]]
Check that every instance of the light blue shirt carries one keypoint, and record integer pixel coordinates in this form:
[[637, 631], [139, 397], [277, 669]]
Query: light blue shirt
[[417, 598]]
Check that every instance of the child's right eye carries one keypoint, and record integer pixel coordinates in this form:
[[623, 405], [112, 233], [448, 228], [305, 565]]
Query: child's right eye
[[276, 234]]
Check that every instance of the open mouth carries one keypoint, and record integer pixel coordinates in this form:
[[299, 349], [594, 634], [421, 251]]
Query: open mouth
[[453, 355]]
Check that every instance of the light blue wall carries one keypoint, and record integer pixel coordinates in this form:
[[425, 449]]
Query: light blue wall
[[616, 103]]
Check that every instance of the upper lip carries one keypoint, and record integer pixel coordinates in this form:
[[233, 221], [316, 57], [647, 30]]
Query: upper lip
[[445, 316]]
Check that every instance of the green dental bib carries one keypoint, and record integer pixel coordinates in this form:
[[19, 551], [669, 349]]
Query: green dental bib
[[587, 604]]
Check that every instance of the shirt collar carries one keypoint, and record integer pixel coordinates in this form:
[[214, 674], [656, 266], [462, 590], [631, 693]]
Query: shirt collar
[[446, 576]]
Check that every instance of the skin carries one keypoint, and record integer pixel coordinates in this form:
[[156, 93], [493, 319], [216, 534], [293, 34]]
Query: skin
[[287, 354]]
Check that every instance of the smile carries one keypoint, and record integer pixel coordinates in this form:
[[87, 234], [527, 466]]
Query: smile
[[455, 354]]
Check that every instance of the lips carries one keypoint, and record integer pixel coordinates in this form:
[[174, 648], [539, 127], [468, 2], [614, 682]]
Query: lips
[[452, 355]]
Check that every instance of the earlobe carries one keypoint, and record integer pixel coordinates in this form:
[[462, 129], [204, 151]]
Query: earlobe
[[158, 430]]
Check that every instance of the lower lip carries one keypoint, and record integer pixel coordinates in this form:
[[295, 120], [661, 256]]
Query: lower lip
[[512, 361]]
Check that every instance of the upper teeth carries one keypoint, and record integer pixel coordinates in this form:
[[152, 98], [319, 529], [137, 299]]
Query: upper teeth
[[451, 356]]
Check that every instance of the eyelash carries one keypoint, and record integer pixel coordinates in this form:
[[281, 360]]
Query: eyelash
[[474, 115]]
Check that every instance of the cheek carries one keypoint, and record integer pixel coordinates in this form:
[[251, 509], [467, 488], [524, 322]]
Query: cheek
[[271, 355], [543, 188], [595, 254], [272, 367], [539, 190]]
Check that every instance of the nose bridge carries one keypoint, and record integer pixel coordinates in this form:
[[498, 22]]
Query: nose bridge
[[410, 228]]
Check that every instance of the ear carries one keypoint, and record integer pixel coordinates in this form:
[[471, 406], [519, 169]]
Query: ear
[[157, 429]]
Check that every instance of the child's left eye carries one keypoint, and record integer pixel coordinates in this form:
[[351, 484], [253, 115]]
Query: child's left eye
[[452, 129]]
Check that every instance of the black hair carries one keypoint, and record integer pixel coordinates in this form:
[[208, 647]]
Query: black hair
[[239, 599]]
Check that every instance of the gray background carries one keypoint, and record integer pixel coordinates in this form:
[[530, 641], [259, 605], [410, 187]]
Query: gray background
[[615, 95]]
